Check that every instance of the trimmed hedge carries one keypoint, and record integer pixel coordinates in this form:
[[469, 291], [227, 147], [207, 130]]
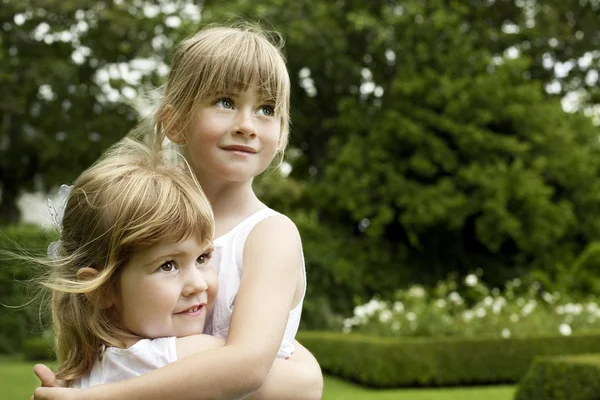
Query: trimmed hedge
[[18, 324], [399, 362], [562, 378]]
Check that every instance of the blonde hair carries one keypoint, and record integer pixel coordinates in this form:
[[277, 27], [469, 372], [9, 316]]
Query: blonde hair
[[130, 199], [215, 61]]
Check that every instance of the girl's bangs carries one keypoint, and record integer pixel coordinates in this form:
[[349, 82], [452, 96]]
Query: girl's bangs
[[248, 66]]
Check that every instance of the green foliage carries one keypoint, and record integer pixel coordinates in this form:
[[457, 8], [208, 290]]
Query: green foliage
[[392, 362], [19, 320], [428, 147], [58, 114], [562, 378], [38, 348], [469, 308]]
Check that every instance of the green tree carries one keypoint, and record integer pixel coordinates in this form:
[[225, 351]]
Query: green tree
[[57, 111], [426, 137]]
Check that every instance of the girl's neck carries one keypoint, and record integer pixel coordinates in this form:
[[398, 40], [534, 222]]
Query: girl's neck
[[231, 202]]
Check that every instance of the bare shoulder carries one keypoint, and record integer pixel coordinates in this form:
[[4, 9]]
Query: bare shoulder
[[196, 343], [278, 230]]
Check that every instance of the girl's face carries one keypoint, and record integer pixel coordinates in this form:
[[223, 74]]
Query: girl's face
[[233, 137], [167, 289]]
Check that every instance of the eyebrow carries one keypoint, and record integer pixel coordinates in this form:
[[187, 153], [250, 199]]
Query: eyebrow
[[209, 248]]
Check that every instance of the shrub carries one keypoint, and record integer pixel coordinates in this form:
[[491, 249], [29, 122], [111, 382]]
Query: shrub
[[395, 362], [562, 378], [21, 322], [472, 309], [38, 348]]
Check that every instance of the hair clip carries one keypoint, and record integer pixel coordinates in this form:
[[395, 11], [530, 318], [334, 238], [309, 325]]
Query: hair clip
[[57, 214]]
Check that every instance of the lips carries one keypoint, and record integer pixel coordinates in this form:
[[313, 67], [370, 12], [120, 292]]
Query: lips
[[195, 309], [241, 148]]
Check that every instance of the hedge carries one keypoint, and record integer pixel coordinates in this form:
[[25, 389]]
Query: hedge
[[400, 362], [18, 324], [562, 378]]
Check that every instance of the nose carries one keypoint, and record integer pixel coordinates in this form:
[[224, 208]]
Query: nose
[[245, 124], [195, 283]]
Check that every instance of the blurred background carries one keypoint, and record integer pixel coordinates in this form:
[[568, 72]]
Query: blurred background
[[444, 158]]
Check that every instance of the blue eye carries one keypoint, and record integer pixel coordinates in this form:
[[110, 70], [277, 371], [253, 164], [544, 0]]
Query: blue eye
[[224, 103], [169, 266], [268, 111]]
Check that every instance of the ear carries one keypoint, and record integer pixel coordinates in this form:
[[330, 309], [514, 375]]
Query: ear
[[172, 127], [106, 299]]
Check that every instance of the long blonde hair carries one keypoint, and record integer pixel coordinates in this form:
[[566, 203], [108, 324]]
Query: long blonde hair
[[130, 199], [216, 61]]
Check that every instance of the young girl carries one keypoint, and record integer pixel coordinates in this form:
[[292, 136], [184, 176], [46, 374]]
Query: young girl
[[226, 105], [131, 278]]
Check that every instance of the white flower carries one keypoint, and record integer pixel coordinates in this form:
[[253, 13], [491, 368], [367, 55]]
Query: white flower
[[385, 316], [416, 291], [455, 298], [471, 280], [548, 298], [398, 307], [480, 312], [360, 311], [348, 323], [373, 306], [468, 315], [514, 317], [498, 305], [560, 310], [529, 307], [495, 291], [346, 330], [395, 326], [565, 329], [411, 316], [520, 302], [441, 303], [488, 301], [506, 333], [573, 309]]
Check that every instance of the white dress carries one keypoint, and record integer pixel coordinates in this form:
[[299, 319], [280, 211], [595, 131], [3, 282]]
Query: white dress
[[120, 364], [229, 257]]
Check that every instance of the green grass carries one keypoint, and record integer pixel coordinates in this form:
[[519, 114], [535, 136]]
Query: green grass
[[336, 389], [17, 382]]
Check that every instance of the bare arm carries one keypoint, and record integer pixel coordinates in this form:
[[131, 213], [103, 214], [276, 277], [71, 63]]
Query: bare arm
[[298, 378], [272, 266]]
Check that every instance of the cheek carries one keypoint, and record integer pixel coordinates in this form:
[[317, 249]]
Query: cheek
[[213, 287]]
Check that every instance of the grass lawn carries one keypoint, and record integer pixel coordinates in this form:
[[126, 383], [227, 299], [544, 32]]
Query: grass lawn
[[17, 383], [336, 389]]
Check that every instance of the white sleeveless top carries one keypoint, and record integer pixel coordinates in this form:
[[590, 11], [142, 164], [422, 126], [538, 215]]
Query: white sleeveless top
[[229, 259], [120, 364]]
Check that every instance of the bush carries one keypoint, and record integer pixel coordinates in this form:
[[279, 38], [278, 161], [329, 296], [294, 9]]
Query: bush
[[38, 348], [18, 323], [396, 362], [472, 309], [562, 378]]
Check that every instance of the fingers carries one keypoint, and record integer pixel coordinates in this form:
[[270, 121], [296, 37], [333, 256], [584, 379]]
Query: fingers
[[39, 394], [45, 375]]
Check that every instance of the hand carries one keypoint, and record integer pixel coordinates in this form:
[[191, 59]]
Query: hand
[[55, 393], [48, 380], [47, 377]]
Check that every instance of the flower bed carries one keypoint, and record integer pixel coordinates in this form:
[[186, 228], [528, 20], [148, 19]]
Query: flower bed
[[471, 309]]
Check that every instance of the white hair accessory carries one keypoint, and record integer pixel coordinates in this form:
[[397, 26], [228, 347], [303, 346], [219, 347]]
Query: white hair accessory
[[56, 214]]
